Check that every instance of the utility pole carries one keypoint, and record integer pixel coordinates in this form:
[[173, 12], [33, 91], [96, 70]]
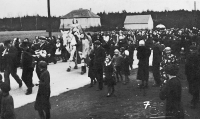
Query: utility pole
[[49, 17], [36, 20], [195, 15]]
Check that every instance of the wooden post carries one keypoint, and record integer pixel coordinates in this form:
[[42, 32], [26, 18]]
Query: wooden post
[[49, 18]]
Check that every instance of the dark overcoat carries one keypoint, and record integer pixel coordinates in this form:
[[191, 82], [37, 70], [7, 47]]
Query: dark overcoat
[[125, 65], [109, 78], [143, 54], [43, 96], [171, 92], [191, 71]]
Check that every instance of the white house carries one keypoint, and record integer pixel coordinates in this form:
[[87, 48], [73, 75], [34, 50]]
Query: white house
[[85, 18], [138, 22]]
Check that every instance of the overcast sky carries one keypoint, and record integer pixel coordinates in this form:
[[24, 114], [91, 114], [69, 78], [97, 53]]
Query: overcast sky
[[14, 8]]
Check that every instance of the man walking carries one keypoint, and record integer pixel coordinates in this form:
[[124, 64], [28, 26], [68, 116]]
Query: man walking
[[98, 63], [10, 54]]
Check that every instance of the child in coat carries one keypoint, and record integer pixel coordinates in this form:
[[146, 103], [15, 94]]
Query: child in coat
[[109, 77], [7, 103]]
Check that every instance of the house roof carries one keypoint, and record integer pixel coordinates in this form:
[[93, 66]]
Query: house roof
[[80, 13], [137, 19]]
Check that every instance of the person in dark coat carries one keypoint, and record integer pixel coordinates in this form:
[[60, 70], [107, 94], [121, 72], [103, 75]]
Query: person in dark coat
[[10, 55], [143, 54], [42, 103], [125, 66], [41, 54], [171, 92], [28, 66], [7, 103], [157, 58], [91, 69], [117, 64], [2, 59], [131, 48], [191, 71], [109, 76], [99, 57]]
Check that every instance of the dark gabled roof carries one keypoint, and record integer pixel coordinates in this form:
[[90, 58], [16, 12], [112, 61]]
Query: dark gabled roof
[[137, 19], [80, 13]]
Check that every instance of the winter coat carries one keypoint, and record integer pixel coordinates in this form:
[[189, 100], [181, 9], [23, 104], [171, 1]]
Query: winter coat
[[117, 60], [157, 55], [99, 57], [91, 65], [11, 57], [171, 92], [192, 72], [7, 107], [143, 54], [43, 96], [109, 78], [125, 65]]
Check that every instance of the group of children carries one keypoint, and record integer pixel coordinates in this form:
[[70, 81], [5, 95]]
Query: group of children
[[114, 67]]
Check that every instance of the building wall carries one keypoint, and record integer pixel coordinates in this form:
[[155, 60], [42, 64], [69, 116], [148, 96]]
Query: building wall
[[136, 26], [150, 23], [84, 22]]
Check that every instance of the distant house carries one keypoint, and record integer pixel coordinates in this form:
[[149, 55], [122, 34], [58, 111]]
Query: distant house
[[138, 22], [86, 18]]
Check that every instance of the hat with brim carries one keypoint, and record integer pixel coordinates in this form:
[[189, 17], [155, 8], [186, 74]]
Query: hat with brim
[[42, 64], [172, 69], [97, 42]]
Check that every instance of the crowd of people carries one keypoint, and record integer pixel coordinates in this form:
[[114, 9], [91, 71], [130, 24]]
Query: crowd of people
[[109, 62]]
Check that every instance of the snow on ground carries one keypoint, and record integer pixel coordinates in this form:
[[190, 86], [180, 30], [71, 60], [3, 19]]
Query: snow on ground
[[61, 81]]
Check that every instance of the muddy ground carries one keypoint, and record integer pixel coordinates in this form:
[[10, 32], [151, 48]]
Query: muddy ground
[[127, 103]]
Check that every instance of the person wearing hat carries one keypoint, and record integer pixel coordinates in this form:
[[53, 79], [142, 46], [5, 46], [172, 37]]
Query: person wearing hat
[[192, 71], [42, 103], [117, 64], [2, 59], [143, 54], [41, 53], [167, 59], [125, 66], [131, 49], [171, 92], [157, 58], [28, 64], [10, 54], [109, 76], [122, 41], [99, 57], [7, 103], [91, 72]]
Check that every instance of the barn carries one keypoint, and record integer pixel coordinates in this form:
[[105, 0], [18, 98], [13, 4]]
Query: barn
[[86, 18], [138, 22]]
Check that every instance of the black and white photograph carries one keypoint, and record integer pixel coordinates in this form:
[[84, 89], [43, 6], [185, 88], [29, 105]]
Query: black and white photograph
[[100, 59]]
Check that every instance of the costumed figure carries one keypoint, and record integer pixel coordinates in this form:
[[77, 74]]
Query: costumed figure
[[167, 59]]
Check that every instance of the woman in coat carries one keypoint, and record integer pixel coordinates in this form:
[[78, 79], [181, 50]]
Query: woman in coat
[[125, 66], [143, 54], [91, 69], [42, 103]]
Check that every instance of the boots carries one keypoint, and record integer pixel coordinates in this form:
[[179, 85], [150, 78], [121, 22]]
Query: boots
[[29, 91], [83, 69]]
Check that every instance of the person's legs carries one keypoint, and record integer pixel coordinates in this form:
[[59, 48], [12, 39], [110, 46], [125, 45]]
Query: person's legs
[[48, 114], [156, 73], [99, 76], [41, 114], [108, 91], [7, 75], [16, 77]]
